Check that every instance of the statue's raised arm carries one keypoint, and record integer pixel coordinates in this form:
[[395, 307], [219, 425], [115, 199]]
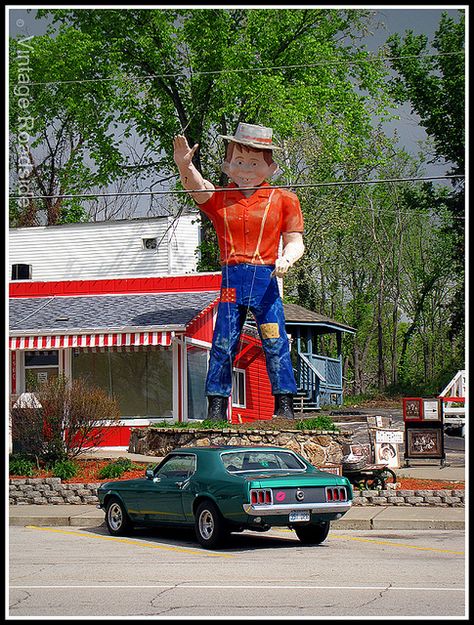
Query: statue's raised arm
[[191, 179]]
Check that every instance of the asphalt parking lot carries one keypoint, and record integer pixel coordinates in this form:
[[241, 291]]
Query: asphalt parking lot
[[73, 572]]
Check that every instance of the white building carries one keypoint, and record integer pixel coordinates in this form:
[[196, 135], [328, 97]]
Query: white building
[[125, 248]]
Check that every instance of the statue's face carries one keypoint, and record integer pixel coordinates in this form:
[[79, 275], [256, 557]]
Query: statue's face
[[249, 167]]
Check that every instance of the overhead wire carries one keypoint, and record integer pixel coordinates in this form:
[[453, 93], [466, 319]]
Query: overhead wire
[[269, 187], [192, 73], [223, 189]]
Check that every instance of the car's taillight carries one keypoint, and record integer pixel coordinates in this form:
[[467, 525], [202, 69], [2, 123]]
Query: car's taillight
[[260, 496], [336, 493]]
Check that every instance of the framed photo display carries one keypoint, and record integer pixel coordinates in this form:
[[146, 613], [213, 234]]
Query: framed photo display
[[412, 409], [424, 442], [387, 453], [421, 409]]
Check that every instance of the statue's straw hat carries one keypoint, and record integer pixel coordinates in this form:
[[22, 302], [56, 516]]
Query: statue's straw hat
[[254, 136]]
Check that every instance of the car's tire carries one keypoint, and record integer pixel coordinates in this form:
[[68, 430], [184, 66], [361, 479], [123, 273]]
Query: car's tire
[[116, 518], [313, 534], [210, 527]]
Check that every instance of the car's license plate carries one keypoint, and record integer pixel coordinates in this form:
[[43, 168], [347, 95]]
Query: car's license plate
[[299, 515]]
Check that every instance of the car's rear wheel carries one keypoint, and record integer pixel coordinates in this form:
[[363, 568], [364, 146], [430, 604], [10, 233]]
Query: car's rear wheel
[[210, 527], [313, 534], [116, 517]]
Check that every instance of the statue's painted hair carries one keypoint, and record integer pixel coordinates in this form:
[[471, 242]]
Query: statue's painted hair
[[267, 154]]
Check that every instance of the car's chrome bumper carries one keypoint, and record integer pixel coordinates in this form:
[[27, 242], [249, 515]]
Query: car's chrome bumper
[[281, 509]]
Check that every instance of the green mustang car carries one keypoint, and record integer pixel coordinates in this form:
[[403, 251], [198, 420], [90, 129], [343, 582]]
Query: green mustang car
[[226, 489]]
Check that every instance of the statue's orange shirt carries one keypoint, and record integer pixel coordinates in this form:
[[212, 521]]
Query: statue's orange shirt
[[249, 229]]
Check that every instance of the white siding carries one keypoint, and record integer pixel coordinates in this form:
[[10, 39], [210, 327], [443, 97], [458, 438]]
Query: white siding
[[184, 238], [110, 249]]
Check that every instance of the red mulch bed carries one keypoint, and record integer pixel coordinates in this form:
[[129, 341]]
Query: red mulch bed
[[410, 483], [88, 472]]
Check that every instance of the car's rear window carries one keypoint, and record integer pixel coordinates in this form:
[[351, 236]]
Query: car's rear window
[[243, 461]]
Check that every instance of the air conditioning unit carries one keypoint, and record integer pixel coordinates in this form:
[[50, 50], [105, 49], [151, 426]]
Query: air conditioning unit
[[150, 244]]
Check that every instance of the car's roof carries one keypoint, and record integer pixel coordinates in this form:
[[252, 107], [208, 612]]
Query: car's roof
[[219, 448]]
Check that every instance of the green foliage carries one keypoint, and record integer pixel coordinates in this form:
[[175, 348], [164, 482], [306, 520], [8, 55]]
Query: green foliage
[[117, 468], [65, 469], [206, 424], [209, 424], [165, 424], [112, 470], [285, 68], [19, 465], [435, 87], [435, 84], [321, 422], [61, 140], [125, 463]]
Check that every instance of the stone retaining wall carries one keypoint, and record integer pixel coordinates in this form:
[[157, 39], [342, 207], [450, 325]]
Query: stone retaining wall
[[319, 447], [51, 490]]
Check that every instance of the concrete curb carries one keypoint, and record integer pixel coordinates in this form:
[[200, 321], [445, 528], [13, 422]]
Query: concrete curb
[[366, 518]]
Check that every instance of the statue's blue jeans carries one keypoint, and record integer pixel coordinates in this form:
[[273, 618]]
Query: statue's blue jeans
[[244, 288]]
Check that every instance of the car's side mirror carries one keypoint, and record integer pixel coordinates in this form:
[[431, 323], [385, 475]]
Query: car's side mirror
[[149, 474]]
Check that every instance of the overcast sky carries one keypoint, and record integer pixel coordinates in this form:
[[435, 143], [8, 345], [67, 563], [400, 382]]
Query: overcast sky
[[390, 20]]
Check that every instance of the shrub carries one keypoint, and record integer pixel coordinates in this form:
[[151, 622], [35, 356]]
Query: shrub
[[18, 465], [67, 420], [65, 469], [125, 463], [321, 422], [111, 470]]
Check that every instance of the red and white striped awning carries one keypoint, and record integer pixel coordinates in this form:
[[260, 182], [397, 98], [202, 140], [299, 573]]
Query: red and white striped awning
[[62, 341]]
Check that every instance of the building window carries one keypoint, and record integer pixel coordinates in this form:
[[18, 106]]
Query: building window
[[21, 271], [197, 358], [141, 381], [40, 366], [238, 388]]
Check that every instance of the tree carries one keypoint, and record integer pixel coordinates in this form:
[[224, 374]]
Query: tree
[[200, 72], [434, 85], [61, 139]]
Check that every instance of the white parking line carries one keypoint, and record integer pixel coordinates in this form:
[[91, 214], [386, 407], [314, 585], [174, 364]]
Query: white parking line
[[245, 587]]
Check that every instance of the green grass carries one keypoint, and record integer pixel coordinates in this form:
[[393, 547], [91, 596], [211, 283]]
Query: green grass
[[321, 422], [202, 425]]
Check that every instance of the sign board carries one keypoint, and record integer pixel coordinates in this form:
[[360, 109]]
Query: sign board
[[421, 409], [389, 436], [431, 410]]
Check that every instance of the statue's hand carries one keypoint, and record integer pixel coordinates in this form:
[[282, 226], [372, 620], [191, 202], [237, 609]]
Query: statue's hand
[[183, 154], [281, 267]]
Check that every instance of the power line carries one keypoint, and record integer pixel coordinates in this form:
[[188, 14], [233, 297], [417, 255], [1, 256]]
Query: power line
[[224, 189], [192, 73]]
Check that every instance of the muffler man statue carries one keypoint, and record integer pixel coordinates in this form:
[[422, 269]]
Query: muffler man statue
[[249, 222]]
